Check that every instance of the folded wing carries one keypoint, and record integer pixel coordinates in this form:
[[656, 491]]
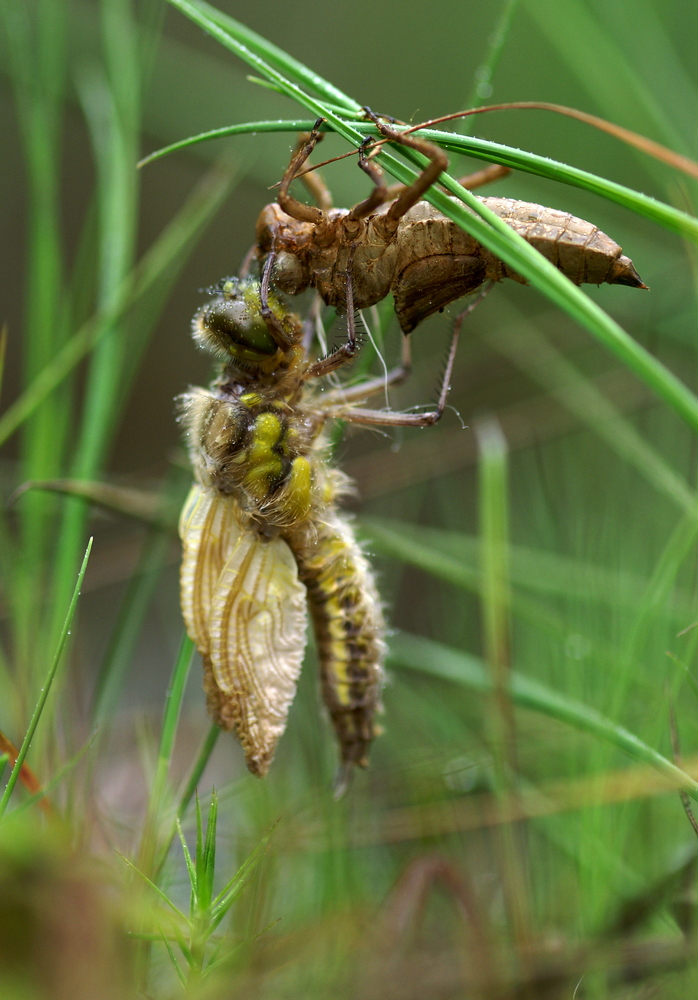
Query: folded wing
[[245, 608]]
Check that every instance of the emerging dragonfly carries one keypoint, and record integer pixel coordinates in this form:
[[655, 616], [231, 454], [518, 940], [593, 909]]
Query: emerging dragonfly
[[263, 539]]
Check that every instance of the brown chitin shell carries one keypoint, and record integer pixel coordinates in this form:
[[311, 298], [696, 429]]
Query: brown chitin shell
[[578, 248], [245, 609], [439, 262]]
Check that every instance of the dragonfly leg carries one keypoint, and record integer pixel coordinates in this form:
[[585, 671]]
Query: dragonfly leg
[[282, 337], [290, 205], [438, 161], [362, 390], [388, 418], [349, 349], [380, 193]]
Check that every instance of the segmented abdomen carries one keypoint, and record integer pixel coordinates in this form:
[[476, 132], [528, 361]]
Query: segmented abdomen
[[349, 630], [439, 262], [578, 248]]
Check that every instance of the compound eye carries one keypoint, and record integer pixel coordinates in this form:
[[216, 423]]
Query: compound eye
[[230, 325], [289, 274]]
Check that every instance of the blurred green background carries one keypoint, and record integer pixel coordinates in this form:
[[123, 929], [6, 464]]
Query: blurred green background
[[595, 885]]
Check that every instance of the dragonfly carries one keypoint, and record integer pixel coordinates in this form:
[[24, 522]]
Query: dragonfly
[[265, 544]]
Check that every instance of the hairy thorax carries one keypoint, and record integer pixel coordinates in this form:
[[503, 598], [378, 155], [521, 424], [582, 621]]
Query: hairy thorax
[[267, 453]]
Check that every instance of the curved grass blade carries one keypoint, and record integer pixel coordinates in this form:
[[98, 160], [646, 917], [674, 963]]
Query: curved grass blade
[[235, 38], [249, 128], [626, 135], [665, 215], [277, 57], [670, 218]]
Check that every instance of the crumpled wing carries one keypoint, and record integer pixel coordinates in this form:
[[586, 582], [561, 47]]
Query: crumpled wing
[[209, 530], [245, 608], [257, 633]]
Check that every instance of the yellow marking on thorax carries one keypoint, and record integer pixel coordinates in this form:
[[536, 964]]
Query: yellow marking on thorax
[[290, 441], [265, 464]]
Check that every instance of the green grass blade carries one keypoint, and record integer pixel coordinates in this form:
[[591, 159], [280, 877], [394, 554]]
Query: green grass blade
[[111, 104], [36, 715], [248, 128], [493, 518], [671, 218], [277, 57], [156, 889], [37, 60], [149, 858], [202, 759], [206, 858], [188, 861], [494, 521], [227, 896], [173, 959], [173, 707]]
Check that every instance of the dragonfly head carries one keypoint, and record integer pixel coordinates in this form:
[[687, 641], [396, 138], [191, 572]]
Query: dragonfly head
[[231, 326]]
